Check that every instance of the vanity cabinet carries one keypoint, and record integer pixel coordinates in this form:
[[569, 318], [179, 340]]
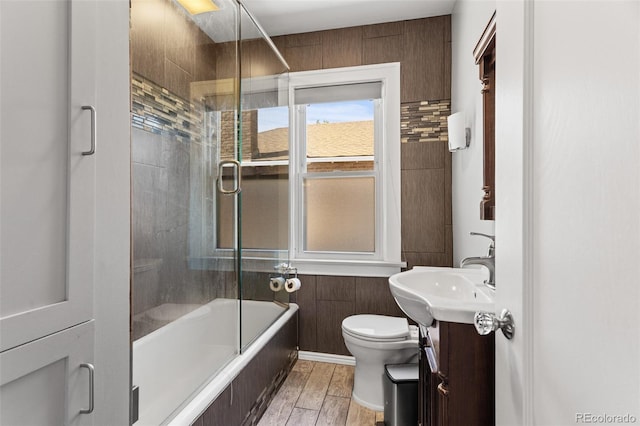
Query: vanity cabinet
[[456, 379], [428, 381]]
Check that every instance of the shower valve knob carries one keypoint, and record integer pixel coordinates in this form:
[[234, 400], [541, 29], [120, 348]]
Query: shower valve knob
[[486, 323]]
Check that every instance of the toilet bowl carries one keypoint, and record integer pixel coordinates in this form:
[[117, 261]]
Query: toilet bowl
[[376, 340]]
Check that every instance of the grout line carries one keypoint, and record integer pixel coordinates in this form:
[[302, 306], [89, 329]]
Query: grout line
[[295, 404], [324, 400]]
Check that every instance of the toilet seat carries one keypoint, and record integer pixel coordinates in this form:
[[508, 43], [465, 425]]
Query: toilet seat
[[376, 328]]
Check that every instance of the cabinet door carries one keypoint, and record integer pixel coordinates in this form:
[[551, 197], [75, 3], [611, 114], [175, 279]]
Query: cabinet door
[[443, 405], [43, 383], [47, 201]]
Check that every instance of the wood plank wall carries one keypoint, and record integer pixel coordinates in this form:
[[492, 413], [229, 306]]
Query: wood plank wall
[[326, 300], [423, 48]]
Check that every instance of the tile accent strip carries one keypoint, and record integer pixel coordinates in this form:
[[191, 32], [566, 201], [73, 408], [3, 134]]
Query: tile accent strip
[[156, 110], [424, 121]]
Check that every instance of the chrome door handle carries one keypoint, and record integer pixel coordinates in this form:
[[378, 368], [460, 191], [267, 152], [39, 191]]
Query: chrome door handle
[[91, 371], [486, 322], [93, 129], [237, 187]]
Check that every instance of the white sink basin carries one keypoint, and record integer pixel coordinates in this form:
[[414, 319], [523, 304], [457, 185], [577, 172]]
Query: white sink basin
[[426, 293]]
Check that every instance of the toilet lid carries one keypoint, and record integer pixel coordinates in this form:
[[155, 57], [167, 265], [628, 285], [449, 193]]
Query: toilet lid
[[378, 327]]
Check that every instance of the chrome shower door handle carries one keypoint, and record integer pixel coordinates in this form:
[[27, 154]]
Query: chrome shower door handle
[[91, 371], [93, 129], [237, 188]]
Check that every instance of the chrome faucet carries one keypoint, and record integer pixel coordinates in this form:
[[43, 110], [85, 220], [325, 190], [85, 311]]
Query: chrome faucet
[[488, 261]]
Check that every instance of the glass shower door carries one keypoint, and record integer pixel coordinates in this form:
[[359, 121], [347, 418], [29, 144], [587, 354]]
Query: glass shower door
[[185, 103], [264, 200]]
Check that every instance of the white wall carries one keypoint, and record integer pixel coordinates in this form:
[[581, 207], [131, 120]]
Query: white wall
[[586, 210], [113, 162], [468, 20]]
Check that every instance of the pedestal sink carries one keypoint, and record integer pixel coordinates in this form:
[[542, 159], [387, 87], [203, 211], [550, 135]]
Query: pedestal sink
[[428, 293]]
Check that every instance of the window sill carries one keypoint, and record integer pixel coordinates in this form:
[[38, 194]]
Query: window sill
[[357, 268], [268, 261]]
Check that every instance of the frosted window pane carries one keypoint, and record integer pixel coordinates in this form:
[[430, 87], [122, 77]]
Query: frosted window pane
[[340, 214], [265, 210]]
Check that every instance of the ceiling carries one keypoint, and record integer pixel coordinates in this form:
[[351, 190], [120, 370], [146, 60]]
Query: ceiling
[[279, 17]]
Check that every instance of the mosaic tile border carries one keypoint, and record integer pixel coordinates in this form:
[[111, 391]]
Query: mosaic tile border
[[156, 110], [424, 121]]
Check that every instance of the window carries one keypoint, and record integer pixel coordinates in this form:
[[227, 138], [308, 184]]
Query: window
[[345, 170], [320, 173]]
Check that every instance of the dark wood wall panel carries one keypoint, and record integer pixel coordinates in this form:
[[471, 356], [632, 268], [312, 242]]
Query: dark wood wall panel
[[327, 300], [342, 48], [304, 58], [303, 39], [383, 30], [448, 213], [303, 52], [306, 299], [374, 297], [447, 57], [423, 206], [419, 156], [424, 56], [422, 46], [336, 288], [330, 316], [381, 50]]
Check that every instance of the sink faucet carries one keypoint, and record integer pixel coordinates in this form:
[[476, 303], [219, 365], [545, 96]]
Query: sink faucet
[[488, 261]]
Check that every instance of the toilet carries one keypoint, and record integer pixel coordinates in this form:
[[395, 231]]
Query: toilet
[[376, 340]]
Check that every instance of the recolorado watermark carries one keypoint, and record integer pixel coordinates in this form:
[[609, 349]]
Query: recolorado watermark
[[603, 418]]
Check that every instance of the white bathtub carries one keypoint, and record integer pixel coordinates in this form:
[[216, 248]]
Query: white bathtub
[[174, 365]]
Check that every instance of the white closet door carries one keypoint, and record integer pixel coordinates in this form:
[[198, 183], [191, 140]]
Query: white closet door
[[47, 200], [49, 382]]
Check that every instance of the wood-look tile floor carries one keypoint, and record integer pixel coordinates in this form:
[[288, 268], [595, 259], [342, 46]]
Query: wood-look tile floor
[[317, 393]]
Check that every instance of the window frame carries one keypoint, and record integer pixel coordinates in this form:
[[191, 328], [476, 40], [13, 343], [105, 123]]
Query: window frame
[[386, 259]]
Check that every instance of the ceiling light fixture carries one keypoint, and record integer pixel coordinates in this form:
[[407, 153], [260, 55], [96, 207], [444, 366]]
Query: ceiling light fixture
[[195, 7]]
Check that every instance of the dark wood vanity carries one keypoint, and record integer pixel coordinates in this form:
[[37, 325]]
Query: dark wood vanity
[[456, 376]]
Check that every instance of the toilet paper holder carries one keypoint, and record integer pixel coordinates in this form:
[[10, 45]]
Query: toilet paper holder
[[286, 269], [285, 273]]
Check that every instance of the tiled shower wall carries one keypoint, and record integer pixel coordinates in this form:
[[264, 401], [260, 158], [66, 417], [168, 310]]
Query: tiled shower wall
[[161, 209], [169, 52]]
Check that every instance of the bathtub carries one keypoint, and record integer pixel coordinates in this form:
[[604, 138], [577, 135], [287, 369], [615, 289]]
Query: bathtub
[[182, 367]]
